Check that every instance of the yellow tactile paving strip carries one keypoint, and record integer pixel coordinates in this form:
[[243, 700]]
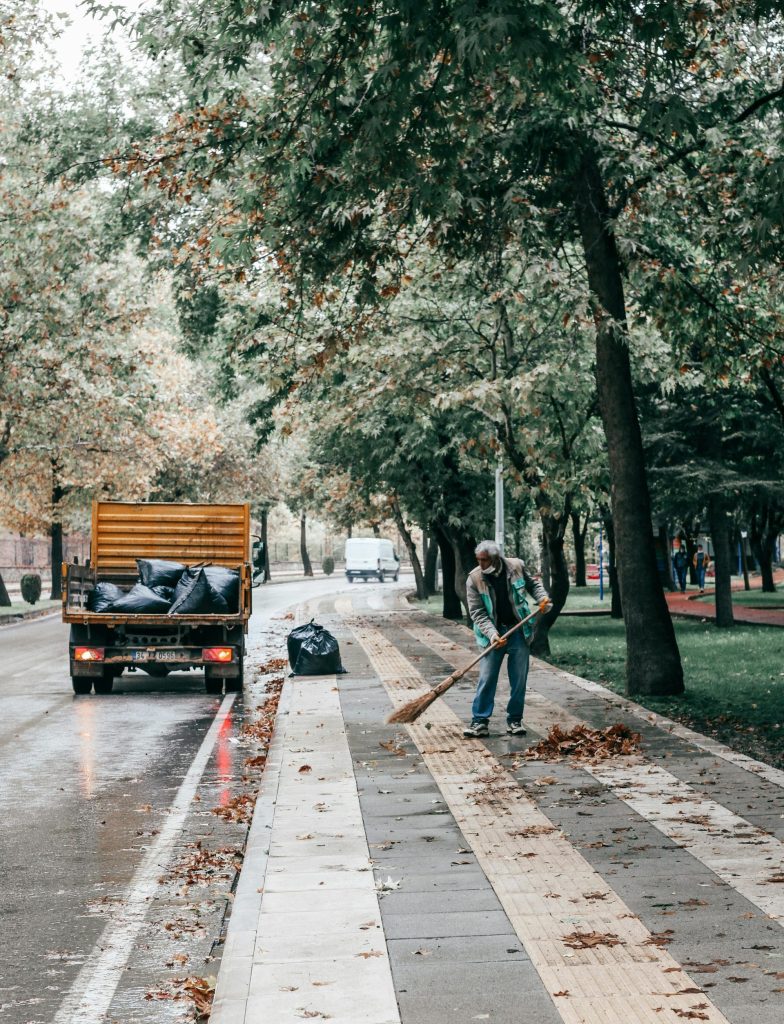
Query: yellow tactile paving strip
[[547, 889], [743, 856]]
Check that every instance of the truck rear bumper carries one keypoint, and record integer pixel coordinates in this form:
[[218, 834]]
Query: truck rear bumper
[[173, 658]]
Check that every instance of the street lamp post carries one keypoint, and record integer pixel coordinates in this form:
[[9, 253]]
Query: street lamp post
[[601, 563], [499, 507]]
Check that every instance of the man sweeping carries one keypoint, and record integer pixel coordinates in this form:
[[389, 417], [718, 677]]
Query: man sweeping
[[496, 592]]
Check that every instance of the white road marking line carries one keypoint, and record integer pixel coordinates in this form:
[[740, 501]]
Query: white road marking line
[[739, 853], [92, 992], [553, 898]]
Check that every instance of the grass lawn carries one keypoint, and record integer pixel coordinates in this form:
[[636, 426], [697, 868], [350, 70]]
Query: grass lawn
[[734, 678], [751, 598], [19, 607]]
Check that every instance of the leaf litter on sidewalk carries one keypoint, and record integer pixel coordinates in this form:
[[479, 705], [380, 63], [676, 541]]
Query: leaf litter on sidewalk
[[583, 742]]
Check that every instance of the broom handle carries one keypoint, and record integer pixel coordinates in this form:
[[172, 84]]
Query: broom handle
[[450, 680]]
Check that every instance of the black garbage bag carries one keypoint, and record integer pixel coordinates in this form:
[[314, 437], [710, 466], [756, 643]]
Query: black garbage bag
[[140, 600], [194, 595], [319, 654], [167, 593], [297, 637], [103, 595], [225, 582], [157, 572]]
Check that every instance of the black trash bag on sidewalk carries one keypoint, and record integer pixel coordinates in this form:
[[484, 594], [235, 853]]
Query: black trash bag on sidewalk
[[296, 639], [226, 583], [319, 654], [103, 595], [194, 595], [140, 600], [157, 572]]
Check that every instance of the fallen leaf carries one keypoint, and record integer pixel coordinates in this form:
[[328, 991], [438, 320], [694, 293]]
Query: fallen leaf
[[370, 953], [304, 769], [587, 940]]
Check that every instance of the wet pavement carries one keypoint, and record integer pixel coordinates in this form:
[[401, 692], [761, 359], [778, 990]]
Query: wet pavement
[[90, 824]]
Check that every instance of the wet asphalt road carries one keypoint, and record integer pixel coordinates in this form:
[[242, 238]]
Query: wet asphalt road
[[87, 782]]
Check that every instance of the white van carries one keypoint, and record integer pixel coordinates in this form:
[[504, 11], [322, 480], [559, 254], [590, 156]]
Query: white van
[[371, 558]]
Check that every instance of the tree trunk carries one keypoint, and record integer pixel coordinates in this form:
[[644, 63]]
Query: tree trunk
[[416, 565], [578, 536], [653, 663], [544, 557], [616, 606], [553, 536], [303, 546], [465, 560], [743, 562], [431, 566], [721, 536], [56, 534], [764, 551], [5, 600], [453, 609], [265, 544]]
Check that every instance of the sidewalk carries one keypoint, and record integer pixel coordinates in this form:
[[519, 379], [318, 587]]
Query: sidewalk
[[403, 875], [688, 605]]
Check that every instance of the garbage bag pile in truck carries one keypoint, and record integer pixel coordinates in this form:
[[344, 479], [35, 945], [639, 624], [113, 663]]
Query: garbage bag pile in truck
[[170, 588]]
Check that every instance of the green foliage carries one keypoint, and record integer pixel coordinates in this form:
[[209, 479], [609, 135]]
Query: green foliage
[[30, 586], [328, 565]]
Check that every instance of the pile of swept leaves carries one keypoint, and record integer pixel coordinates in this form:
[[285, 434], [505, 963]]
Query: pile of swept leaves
[[584, 742]]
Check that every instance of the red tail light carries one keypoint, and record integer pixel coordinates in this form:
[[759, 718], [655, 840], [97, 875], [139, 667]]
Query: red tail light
[[222, 654], [88, 653]]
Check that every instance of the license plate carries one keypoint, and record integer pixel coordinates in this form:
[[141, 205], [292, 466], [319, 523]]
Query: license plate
[[153, 655]]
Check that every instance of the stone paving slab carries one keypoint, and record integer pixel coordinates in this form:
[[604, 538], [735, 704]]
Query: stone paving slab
[[425, 838]]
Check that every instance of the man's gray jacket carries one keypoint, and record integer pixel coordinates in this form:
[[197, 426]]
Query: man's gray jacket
[[481, 599]]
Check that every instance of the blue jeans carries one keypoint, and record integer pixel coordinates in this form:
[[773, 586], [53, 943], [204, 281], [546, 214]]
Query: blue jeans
[[701, 576], [517, 667]]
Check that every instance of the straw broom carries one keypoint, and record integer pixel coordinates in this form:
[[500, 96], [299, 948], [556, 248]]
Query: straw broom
[[409, 712]]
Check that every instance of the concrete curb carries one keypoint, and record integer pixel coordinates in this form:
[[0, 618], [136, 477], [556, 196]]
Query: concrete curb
[[233, 986], [41, 613]]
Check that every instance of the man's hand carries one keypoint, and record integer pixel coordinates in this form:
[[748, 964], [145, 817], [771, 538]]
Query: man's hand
[[545, 605], [499, 641]]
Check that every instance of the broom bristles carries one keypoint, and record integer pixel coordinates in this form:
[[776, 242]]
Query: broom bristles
[[410, 711]]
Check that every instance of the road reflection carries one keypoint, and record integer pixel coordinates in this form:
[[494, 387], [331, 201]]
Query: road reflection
[[85, 716], [224, 758]]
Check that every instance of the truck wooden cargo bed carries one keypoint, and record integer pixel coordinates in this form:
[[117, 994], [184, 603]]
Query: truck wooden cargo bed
[[103, 644]]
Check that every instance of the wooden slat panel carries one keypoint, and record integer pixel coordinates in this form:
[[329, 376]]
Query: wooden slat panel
[[123, 532]]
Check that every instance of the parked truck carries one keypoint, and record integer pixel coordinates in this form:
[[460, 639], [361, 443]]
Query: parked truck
[[103, 644]]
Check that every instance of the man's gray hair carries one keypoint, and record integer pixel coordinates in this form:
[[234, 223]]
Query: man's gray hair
[[488, 547]]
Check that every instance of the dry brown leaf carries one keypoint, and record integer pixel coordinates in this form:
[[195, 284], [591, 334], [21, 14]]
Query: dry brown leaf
[[304, 769], [370, 953], [587, 940]]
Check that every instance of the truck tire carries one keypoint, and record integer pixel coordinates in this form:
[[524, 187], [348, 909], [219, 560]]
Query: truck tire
[[382, 577], [81, 685], [213, 684], [105, 684], [235, 685]]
